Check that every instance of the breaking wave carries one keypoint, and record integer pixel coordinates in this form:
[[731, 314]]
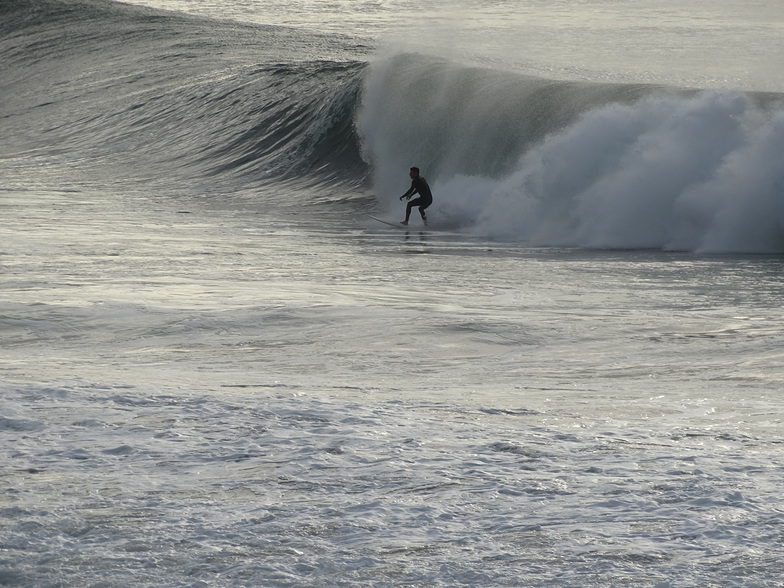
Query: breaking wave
[[581, 165], [141, 97]]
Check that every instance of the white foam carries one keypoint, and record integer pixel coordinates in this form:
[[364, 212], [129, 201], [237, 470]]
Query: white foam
[[248, 487], [674, 171], [698, 174]]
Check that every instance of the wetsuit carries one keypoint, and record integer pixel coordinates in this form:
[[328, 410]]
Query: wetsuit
[[419, 186]]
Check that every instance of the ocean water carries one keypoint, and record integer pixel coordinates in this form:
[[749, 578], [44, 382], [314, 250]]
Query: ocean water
[[217, 370]]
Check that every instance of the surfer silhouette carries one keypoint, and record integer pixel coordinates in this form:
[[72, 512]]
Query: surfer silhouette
[[418, 186]]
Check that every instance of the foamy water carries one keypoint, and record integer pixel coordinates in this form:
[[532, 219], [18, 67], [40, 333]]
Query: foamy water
[[673, 170], [140, 486]]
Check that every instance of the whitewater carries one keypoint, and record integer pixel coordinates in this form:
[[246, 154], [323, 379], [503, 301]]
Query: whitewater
[[217, 370]]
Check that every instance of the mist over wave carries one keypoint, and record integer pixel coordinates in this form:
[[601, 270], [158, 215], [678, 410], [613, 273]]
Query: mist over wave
[[585, 165]]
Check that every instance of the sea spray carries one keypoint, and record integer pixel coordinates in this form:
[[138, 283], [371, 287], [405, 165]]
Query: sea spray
[[583, 165], [696, 173]]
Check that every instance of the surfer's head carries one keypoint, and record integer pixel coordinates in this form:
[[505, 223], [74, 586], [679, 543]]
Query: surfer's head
[[413, 172]]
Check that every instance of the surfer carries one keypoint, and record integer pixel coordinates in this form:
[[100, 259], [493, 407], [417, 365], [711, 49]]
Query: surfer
[[418, 186]]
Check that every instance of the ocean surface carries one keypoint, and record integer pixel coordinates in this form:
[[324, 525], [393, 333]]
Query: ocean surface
[[217, 370]]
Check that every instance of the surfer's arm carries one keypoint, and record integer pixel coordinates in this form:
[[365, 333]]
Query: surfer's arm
[[411, 191]]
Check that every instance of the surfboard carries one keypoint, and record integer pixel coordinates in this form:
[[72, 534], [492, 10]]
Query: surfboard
[[397, 225]]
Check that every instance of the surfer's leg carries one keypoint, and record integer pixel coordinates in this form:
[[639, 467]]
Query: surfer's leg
[[411, 204], [423, 204]]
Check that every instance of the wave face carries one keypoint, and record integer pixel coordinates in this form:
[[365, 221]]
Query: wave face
[[148, 96], [581, 165], [101, 93]]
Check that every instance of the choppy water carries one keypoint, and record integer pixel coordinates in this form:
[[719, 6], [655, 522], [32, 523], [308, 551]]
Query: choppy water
[[252, 487], [217, 370]]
